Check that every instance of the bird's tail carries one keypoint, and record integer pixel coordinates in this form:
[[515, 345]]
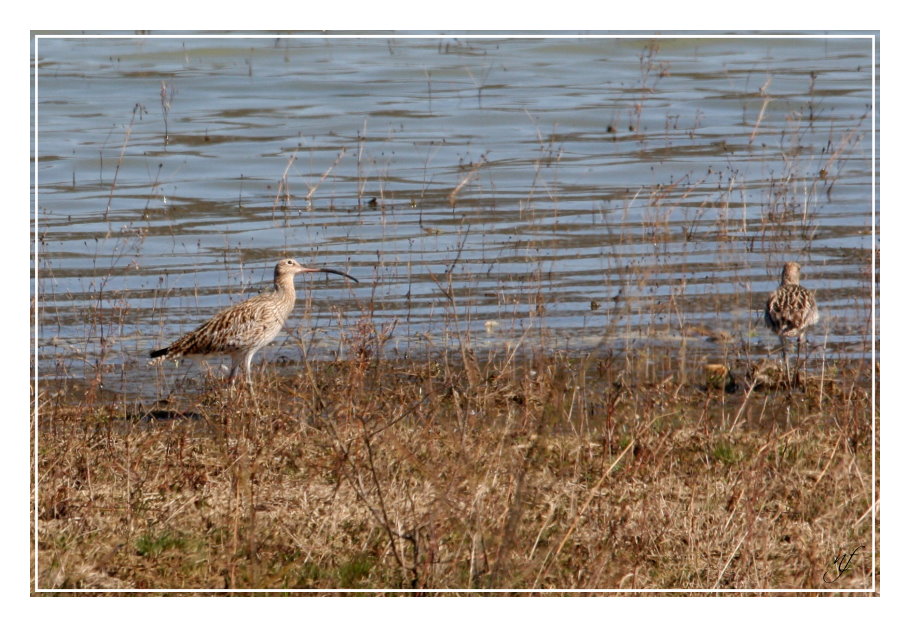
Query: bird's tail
[[159, 356]]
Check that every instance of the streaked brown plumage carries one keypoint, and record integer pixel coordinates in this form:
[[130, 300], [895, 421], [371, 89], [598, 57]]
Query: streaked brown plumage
[[791, 308], [242, 329]]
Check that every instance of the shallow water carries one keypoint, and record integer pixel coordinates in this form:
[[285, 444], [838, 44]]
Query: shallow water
[[588, 193]]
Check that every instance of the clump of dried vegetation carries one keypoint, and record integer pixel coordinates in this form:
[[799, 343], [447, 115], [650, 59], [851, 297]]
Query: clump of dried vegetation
[[548, 471]]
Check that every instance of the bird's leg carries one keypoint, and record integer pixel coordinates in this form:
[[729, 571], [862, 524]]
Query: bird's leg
[[247, 362], [236, 363], [249, 382], [783, 349]]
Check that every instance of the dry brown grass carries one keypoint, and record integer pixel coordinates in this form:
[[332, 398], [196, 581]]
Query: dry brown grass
[[548, 472]]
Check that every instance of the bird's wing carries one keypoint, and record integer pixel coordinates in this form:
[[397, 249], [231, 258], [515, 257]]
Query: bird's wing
[[791, 308], [236, 327]]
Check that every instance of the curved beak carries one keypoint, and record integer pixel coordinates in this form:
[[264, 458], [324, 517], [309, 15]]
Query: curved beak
[[330, 271]]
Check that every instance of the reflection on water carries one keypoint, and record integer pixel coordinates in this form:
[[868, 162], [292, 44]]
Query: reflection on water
[[601, 192]]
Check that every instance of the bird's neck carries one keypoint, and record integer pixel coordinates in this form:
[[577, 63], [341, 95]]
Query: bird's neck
[[284, 285]]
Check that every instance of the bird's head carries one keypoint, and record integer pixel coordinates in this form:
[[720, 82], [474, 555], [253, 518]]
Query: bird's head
[[790, 274], [291, 267]]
